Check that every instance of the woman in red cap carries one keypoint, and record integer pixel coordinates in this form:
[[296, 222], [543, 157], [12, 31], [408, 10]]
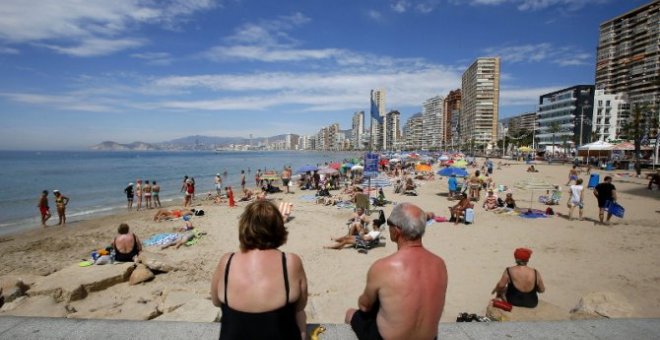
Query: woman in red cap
[[520, 284]]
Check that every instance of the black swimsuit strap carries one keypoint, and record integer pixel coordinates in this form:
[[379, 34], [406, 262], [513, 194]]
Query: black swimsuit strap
[[286, 278], [227, 276]]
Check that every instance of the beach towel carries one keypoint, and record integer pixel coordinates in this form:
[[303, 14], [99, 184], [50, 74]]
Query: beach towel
[[533, 214], [161, 239], [194, 240], [307, 198]]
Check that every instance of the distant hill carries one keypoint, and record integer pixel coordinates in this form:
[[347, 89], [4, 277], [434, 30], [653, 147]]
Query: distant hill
[[189, 143], [114, 146]]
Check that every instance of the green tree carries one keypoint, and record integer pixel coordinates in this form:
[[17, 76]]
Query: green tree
[[640, 123]]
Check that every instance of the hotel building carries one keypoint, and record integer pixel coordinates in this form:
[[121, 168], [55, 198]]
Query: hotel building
[[571, 108], [480, 96]]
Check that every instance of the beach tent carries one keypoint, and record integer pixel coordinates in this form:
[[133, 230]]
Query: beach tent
[[596, 149], [533, 184]]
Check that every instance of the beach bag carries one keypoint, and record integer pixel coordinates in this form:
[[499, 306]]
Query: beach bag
[[549, 211], [503, 305], [615, 209], [500, 202], [469, 215], [198, 212]]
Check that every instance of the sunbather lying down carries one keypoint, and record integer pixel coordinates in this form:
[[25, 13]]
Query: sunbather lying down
[[285, 209], [347, 240], [164, 214], [183, 238]]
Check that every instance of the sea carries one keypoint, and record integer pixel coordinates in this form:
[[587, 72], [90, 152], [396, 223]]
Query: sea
[[95, 180]]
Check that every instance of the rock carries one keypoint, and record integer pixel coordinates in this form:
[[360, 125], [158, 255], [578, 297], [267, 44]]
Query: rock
[[129, 310], [75, 282], [11, 305], [14, 286], [44, 306], [544, 311], [174, 299], [597, 305], [195, 310], [157, 262], [140, 274]]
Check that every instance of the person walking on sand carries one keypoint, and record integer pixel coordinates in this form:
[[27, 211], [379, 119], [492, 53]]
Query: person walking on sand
[[184, 184], [572, 175], [190, 189], [129, 195], [155, 192], [138, 193], [405, 292], [286, 179], [43, 208], [218, 184], [257, 178], [242, 180], [605, 192], [147, 194], [60, 203], [576, 198]]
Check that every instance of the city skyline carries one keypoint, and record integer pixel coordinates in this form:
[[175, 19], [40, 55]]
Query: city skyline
[[75, 75]]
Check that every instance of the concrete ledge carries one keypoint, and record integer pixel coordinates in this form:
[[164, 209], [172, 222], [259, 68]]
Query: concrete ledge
[[12, 327]]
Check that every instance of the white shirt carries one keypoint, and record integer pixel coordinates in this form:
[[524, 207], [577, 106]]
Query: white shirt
[[576, 191]]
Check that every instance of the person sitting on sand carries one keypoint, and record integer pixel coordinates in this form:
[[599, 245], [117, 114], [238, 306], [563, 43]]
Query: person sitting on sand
[[126, 245], [531, 168], [458, 210], [247, 195], [520, 284], [164, 214], [490, 202], [285, 209], [358, 221], [187, 225], [351, 239], [509, 202]]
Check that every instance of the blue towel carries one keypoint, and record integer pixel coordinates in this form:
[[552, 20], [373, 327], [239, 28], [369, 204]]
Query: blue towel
[[161, 239]]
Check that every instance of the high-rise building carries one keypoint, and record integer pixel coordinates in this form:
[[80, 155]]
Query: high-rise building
[[627, 58], [480, 97], [433, 116], [522, 122], [357, 130], [570, 110], [393, 132], [378, 122], [610, 113], [413, 132], [452, 108]]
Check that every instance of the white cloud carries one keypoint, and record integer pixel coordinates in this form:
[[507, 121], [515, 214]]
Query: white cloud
[[524, 96], [533, 5], [74, 26], [542, 52], [400, 6], [8, 50], [374, 14], [154, 58], [70, 102]]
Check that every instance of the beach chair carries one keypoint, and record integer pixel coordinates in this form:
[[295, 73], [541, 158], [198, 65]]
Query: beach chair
[[362, 201], [364, 246]]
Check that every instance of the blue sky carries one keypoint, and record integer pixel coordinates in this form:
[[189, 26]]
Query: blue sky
[[77, 72]]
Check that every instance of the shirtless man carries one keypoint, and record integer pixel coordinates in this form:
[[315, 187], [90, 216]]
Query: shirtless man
[[155, 192], [43, 208], [286, 178], [147, 194], [218, 184], [405, 292]]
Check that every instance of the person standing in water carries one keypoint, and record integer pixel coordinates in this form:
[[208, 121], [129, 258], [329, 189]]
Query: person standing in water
[[60, 203], [43, 208]]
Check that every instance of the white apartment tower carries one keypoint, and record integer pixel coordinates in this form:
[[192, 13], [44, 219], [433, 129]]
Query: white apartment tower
[[433, 122], [393, 131], [480, 92], [378, 121], [357, 130], [413, 132], [609, 115]]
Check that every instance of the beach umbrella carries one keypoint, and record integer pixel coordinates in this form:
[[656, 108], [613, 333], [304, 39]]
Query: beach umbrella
[[532, 184], [395, 160], [328, 171], [357, 168], [377, 182], [525, 149], [334, 165], [423, 167], [270, 176], [384, 161], [453, 171], [306, 168], [347, 165], [444, 158], [461, 163]]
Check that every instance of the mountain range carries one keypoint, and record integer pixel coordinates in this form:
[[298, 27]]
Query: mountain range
[[187, 143]]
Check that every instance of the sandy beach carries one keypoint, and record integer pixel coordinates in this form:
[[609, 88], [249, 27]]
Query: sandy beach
[[574, 257]]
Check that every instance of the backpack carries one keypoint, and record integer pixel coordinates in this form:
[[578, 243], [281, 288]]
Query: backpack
[[198, 212], [549, 211]]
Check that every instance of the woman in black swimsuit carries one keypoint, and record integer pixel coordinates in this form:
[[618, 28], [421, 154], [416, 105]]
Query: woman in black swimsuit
[[520, 284], [126, 245], [262, 291]]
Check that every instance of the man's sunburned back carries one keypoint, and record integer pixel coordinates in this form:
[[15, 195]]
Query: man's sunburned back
[[411, 291], [125, 242]]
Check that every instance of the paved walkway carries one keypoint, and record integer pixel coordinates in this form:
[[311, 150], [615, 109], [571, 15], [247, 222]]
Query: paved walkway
[[55, 328]]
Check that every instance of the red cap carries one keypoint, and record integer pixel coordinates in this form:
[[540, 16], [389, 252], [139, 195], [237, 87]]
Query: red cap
[[522, 254]]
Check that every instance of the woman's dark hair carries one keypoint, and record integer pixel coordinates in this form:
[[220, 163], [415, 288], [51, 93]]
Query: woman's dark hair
[[123, 229], [261, 226]]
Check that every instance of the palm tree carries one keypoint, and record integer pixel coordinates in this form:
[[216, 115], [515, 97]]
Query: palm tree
[[638, 125], [553, 128]]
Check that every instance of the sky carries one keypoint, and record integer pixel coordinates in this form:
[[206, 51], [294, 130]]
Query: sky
[[74, 73]]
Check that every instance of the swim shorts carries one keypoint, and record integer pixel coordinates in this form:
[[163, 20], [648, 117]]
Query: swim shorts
[[44, 211], [364, 325], [285, 181]]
